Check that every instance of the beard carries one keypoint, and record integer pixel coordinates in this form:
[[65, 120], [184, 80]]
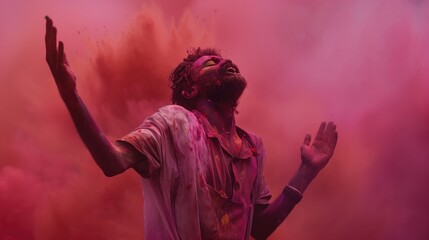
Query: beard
[[223, 89]]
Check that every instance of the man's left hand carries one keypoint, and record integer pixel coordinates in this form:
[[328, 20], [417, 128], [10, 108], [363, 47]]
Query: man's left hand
[[315, 155]]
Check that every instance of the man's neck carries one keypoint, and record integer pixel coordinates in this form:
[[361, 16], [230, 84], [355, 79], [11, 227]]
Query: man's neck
[[222, 118]]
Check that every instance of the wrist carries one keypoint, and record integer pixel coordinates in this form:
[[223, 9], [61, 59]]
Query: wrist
[[72, 101], [69, 96], [292, 193], [308, 171], [303, 177]]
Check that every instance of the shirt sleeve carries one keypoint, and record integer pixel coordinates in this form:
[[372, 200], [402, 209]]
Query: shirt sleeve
[[263, 194], [148, 139]]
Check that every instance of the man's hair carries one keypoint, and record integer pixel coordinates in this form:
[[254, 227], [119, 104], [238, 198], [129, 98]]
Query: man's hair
[[180, 77]]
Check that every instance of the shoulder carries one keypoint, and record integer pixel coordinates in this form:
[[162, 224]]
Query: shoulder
[[167, 116], [173, 108], [253, 137], [174, 111], [254, 140], [178, 117]]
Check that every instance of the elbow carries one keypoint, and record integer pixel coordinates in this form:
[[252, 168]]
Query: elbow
[[111, 172], [110, 166], [259, 235], [259, 231], [262, 228], [261, 223]]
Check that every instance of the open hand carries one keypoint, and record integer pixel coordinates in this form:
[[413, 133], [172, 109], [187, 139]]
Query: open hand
[[317, 154], [57, 61]]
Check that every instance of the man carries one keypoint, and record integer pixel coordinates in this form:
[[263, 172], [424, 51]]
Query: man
[[202, 174]]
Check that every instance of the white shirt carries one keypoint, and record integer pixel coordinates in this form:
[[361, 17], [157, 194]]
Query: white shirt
[[193, 187]]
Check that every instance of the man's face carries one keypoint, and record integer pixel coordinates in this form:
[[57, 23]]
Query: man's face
[[218, 79]]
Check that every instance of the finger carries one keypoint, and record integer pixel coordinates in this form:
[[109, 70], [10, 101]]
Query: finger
[[321, 131], [333, 140], [330, 128], [51, 43], [48, 34], [49, 37], [61, 55], [54, 46], [48, 26], [307, 139]]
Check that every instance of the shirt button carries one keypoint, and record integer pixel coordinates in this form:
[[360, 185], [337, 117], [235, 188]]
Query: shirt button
[[236, 186]]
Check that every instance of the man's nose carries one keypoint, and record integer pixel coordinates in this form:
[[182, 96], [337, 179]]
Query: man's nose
[[228, 66], [225, 61]]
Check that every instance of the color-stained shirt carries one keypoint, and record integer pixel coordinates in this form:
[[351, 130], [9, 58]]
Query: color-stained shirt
[[193, 187]]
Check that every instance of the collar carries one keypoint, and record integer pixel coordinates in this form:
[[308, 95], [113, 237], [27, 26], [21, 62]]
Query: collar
[[248, 148]]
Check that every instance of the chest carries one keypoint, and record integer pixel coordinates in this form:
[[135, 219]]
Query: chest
[[230, 178]]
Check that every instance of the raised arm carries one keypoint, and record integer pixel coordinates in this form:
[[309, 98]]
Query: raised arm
[[111, 158], [314, 157]]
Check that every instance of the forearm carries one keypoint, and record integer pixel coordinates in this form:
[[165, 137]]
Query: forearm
[[267, 218], [103, 152], [314, 157], [109, 157], [303, 177]]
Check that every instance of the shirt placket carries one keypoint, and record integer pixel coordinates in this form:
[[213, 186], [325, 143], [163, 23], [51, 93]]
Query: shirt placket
[[236, 187]]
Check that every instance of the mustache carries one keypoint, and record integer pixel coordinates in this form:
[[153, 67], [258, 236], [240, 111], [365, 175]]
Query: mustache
[[226, 65]]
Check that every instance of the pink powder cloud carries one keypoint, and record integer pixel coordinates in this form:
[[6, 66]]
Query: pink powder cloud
[[362, 64]]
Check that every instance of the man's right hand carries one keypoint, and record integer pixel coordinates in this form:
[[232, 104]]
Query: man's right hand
[[57, 61], [112, 159]]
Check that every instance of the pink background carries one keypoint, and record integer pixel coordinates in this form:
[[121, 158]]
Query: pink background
[[361, 63]]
